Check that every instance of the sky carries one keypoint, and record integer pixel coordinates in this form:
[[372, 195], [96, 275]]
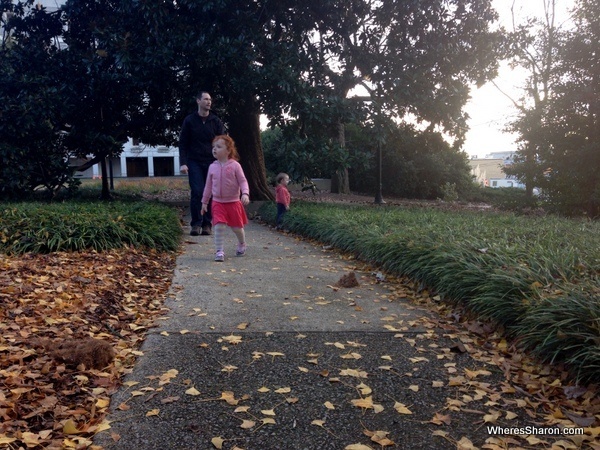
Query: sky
[[489, 109]]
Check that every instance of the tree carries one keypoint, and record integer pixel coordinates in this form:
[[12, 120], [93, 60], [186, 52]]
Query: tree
[[32, 146], [533, 46], [293, 61], [297, 61], [572, 154], [559, 124]]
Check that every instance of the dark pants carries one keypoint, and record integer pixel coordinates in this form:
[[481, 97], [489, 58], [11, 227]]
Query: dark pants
[[197, 173], [280, 213]]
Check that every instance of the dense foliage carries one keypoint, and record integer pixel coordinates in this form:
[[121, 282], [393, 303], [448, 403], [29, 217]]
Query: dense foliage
[[75, 226], [559, 120], [129, 68], [537, 278]]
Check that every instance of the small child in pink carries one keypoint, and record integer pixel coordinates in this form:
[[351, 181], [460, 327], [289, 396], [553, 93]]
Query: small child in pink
[[282, 197], [224, 182]]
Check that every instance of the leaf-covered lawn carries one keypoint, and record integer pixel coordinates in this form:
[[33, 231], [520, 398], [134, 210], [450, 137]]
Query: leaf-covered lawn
[[52, 304]]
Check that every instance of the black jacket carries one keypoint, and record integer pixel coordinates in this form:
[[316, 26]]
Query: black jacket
[[196, 136]]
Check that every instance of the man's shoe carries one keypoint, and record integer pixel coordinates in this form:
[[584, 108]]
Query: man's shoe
[[219, 256], [195, 231], [241, 250], [206, 230]]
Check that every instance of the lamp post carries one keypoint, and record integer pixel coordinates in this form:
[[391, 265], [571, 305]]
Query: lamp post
[[379, 196]]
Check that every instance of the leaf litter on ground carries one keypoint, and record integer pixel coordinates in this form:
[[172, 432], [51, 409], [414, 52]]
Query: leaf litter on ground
[[116, 296]]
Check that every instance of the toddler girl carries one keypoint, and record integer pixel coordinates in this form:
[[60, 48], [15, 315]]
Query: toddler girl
[[224, 182], [282, 197]]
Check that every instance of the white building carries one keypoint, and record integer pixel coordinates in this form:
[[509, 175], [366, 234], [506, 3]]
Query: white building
[[488, 171], [139, 160]]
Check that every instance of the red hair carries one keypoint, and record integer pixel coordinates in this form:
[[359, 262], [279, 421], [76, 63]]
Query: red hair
[[233, 153]]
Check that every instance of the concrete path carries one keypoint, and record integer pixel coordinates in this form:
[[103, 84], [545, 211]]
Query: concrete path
[[263, 352]]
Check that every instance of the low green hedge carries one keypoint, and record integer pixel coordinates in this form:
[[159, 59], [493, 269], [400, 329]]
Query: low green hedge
[[539, 278], [72, 226]]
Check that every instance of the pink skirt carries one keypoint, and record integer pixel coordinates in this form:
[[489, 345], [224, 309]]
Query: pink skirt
[[232, 214]]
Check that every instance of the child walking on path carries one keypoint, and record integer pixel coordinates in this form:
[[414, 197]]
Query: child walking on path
[[282, 197], [224, 182]]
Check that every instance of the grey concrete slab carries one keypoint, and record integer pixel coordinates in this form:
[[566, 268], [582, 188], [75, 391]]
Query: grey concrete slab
[[262, 352]]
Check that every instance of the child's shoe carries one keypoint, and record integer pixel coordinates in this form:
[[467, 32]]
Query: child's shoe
[[220, 256], [241, 250]]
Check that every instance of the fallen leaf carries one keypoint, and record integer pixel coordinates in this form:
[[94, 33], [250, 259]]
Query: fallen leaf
[[153, 412], [70, 427], [192, 391], [401, 408], [246, 424], [217, 442]]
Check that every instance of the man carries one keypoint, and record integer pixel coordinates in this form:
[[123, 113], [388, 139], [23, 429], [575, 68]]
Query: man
[[195, 155]]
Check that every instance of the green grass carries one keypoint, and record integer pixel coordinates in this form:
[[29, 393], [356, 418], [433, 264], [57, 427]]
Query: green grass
[[536, 278], [76, 226]]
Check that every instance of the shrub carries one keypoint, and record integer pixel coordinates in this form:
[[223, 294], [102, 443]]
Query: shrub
[[42, 228]]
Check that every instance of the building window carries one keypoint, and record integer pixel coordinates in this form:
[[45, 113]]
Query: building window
[[494, 184]]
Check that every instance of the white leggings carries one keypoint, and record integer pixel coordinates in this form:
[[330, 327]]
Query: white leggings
[[219, 230]]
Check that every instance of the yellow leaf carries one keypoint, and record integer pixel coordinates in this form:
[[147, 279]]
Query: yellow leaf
[[242, 326], [437, 384], [229, 397], [192, 391], [7, 440], [292, 399], [273, 354], [418, 359], [414, 388], [353, 373], [318, 423], [386, 357], [269, 420], [153, 412], [247, 424], [329, 405], [184, 331], [378, 408], [465, 444], [103, 426], [228, 368], [283, 390], [240, 409], [492, 417], [232, 339], [363, 402], [511, 415], [102, 402], [30, 439], [70, 427], [268, 412], [217, 442], [357, 447], [264, 389], [364, 389], [401, 408], [303, 369]]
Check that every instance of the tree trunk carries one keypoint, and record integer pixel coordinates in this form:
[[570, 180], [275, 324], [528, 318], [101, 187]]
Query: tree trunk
[[244, 128], [340, 182], [105, 195]]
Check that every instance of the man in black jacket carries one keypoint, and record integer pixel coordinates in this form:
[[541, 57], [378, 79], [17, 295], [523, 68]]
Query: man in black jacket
[[195, 155]]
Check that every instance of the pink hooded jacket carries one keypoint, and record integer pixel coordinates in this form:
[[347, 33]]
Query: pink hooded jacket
[[224, 182]]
